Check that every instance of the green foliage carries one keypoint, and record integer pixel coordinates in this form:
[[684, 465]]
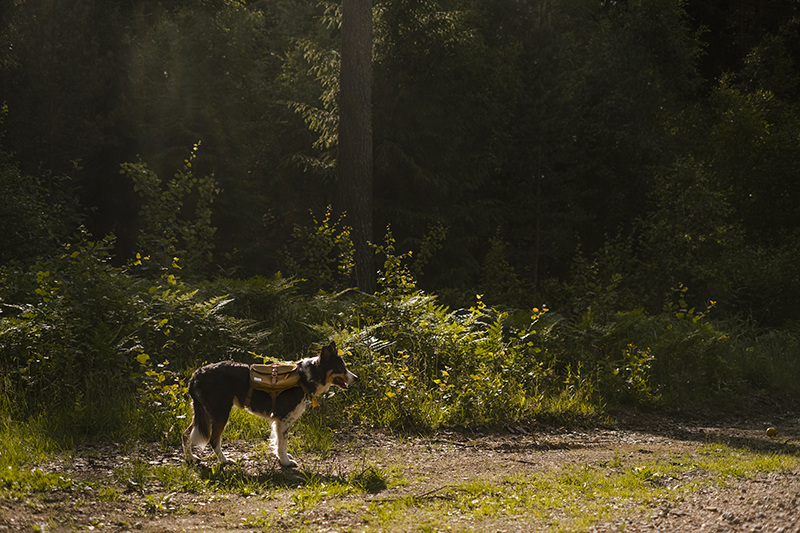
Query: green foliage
[[500, 283], [26, 444], [768, 362], [688, 236], [429, 366], [323, 66], [395, 277], [559, 122], [281, 320], [711, 226], [602, 284], [38, 213], [430, 244], [90, 346], [637, 357], [26, 224], [767, 289], [66, 312], [321, 254], [168, 235], [94, 350], [436, 77]]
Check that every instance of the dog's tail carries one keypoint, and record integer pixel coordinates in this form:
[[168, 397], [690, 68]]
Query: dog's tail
[[201, 432]]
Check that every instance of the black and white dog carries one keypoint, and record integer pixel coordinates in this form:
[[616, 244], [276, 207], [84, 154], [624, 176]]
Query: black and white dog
[[218, 387]]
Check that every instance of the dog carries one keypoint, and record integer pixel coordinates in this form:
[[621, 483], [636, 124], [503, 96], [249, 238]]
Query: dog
[[216, 388]]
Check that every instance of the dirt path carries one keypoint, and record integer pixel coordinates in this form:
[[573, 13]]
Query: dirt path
[[412, 470]]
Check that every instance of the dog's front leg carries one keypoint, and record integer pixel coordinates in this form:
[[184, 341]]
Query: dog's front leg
[[280, 432], [280, 435]]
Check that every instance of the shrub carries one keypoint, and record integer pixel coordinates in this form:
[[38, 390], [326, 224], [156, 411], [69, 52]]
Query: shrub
[[169, 230], [429, 366], [80, 339], [321, 254]]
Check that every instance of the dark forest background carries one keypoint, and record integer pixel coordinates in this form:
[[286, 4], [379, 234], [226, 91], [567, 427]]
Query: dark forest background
[[587, 155], [509, 136]]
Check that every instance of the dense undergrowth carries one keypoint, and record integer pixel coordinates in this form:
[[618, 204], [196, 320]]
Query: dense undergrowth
[[94, 351]]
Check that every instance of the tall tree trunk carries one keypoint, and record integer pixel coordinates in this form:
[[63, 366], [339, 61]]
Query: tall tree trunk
[[355, 135]]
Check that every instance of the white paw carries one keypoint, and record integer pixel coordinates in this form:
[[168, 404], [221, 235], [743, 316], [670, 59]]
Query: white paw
[[288, 461], [224, 461]]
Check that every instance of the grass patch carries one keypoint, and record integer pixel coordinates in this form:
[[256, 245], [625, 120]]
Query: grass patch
[[24, 447], [734, 462], [24, 443], [245, 426], [313, 434], [569, 406], [565, 498], [571, 498]]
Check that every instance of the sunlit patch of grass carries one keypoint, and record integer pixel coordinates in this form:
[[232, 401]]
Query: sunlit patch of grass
[[246, 426], [108, 493], [571, 498], [369, 479], [265, 521], [569, 406], [395, 477], [181, 478], [134, 474], [734, 462], [307, 498], [397, 514], [24, 443], [233, 479], [138, 475], [24, 447], [312, 434], [20, 482]]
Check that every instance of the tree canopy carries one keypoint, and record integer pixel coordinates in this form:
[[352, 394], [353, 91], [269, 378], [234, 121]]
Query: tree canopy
[[517, 146]]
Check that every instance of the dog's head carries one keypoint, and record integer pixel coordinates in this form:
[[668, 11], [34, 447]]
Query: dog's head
[[335, 367]]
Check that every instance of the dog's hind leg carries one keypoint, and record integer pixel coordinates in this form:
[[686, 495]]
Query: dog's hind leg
[[186, 437], [216, 441], [196, 434]]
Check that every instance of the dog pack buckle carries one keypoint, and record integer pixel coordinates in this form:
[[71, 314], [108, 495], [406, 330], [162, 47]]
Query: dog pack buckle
[[274, 375]]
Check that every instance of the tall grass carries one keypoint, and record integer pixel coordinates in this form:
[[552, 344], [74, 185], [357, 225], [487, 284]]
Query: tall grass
[[26, 444]]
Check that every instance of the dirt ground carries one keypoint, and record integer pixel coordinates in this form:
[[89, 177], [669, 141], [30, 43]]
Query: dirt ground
[[430, 464]]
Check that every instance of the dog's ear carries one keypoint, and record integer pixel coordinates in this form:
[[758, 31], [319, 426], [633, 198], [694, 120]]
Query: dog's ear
[[329, 350]]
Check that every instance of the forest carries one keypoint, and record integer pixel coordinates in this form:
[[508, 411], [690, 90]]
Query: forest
[[576, 204]]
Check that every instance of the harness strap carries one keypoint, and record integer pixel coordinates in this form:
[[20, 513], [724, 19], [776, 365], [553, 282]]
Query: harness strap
[[249, 395], [274, 394]]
